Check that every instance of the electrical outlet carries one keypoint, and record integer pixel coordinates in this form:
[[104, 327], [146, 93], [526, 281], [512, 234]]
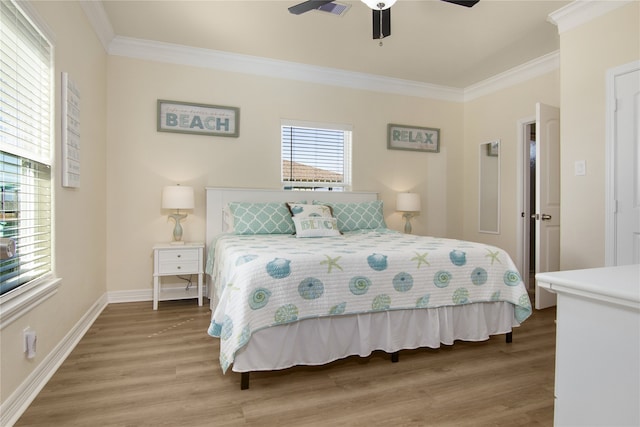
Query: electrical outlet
[[29, 342], [24, 338]]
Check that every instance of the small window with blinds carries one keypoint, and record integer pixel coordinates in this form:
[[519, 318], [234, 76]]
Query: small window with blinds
[[25, 150], [316, 156]]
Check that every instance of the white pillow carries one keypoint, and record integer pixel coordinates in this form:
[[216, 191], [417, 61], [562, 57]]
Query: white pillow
[[316, 226]]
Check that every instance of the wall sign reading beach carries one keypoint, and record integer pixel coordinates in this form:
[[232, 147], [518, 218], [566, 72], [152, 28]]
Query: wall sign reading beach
[[401, 137], [201, 119]]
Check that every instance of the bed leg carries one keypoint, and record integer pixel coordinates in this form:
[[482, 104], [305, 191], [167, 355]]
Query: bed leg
[[395, 357], [244, 380], [509, 337]]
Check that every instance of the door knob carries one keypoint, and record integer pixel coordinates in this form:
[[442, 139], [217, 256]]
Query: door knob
[[546, 217]]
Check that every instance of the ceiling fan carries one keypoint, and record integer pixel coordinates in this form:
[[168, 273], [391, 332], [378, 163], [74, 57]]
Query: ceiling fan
[[381, 12]]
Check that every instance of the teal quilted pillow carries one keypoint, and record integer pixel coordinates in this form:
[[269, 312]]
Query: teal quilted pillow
[[261, 218], [357, 216]]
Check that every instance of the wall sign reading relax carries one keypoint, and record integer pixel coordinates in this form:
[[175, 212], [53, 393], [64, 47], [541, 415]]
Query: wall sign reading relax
[[201, 119], [401, 137]]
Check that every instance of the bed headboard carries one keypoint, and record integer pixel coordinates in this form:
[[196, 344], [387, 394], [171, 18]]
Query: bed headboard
[[217, 199]]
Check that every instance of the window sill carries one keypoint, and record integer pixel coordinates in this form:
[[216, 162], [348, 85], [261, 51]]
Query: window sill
[[17, 303]]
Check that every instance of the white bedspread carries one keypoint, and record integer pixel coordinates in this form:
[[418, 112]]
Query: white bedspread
[[267, 280]]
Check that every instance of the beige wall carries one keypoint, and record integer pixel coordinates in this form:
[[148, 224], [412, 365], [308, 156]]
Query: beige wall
[[141, 160], [104, 230], [496, 116], [80, 222], [586, 53]]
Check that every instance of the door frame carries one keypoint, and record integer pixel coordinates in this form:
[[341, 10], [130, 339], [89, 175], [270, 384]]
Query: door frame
[[610, 142], [522, 197]]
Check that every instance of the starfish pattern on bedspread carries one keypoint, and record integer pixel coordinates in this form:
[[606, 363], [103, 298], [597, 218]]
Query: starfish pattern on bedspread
[[280, 279]]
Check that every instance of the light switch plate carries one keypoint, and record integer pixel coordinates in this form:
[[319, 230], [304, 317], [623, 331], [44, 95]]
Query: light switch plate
[[580, 168]]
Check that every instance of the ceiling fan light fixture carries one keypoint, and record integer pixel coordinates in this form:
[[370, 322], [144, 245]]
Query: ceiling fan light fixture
[[379, 4]]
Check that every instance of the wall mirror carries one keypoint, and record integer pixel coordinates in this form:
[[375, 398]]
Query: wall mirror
[[489, 188]]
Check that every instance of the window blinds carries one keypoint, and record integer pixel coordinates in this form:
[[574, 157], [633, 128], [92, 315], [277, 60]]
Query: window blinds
[[315, 157], [25, 148]]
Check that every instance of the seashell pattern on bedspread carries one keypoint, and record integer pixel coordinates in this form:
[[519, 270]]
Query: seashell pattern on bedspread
[[267, 280]]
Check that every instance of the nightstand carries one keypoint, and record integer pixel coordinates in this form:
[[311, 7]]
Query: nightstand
[[174, 260]]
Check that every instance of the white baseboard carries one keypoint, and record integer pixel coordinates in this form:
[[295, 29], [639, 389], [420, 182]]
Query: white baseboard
[[166, 294], [15, 405], [130, 296]]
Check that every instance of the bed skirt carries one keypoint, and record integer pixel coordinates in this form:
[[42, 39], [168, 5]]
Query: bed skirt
[[323, 340]]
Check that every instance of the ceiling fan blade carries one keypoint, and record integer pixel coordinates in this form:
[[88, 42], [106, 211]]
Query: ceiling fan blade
[[306, 6], [465, 3], [381, 23]]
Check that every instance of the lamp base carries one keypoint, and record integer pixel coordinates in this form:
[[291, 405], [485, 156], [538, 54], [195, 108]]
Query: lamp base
[[407, 224], [177, 230]]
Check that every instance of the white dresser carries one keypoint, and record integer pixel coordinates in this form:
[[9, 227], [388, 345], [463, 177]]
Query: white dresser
[[597, 346]]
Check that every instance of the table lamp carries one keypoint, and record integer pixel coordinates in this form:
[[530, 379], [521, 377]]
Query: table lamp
[[409, 203], [177, 197]]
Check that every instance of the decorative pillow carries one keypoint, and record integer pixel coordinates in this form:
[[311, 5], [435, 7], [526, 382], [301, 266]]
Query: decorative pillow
[[357, 216], [261, 218], [304, 210], [316, 226]]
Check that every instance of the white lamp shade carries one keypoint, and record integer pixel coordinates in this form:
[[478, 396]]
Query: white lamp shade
[[379, 4], [408, 202], [177, 197]]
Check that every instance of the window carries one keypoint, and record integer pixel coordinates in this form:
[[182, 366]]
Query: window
[[316, 156], [25, 149]]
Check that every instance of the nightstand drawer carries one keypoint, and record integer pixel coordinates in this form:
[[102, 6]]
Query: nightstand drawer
[[177, 255], [179, 267]]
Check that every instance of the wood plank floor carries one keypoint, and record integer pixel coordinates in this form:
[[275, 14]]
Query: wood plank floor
[[137, 367]]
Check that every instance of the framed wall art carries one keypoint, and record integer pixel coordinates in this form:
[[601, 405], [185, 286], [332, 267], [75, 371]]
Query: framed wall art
[[413, 138], [70, 114], [199, 119]]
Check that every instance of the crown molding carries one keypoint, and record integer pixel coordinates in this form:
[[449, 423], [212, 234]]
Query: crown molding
[[247, 64], [94, 10], [580, 12], [232, 62], [527, 71]]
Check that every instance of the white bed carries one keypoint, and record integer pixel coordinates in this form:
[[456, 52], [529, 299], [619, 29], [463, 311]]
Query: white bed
[[322, 339]]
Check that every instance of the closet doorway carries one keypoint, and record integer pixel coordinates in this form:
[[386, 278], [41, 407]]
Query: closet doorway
[[538, 198], [530, 130]]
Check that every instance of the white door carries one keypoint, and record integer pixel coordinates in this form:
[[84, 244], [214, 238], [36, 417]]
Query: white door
[[627, 175], [547, 197]]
